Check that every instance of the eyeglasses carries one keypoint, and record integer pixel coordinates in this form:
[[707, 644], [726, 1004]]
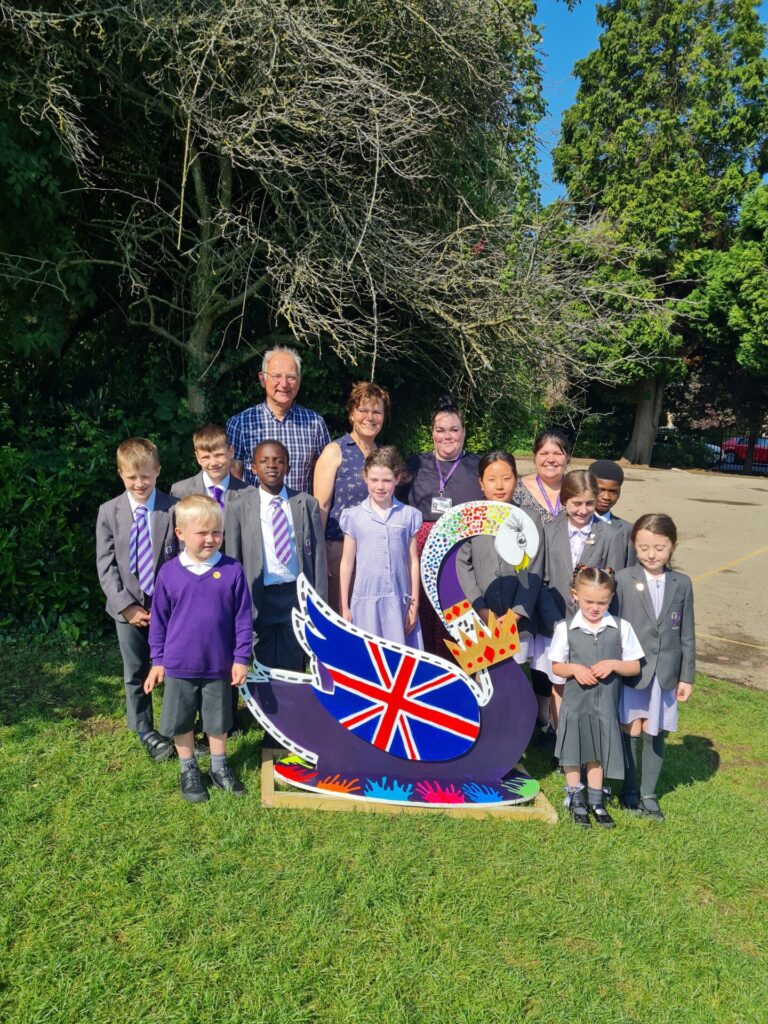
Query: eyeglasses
[[289, 378]]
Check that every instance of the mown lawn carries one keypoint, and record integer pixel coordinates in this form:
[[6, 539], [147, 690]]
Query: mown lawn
[[122, 904]]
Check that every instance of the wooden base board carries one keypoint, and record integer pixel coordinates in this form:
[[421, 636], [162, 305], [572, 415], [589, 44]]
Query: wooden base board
[[539, 809]]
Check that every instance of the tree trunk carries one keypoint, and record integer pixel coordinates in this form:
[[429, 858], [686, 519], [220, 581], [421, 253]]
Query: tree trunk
[[650, 395], [751, 442], [199, 338]]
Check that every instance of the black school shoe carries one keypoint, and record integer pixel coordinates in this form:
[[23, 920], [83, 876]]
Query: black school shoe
[[601, 816], [159, 748], [649, 808], [192, 788], [577, 808], [226, 780]]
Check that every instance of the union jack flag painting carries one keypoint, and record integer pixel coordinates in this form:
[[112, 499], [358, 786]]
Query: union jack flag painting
[[416, 708]]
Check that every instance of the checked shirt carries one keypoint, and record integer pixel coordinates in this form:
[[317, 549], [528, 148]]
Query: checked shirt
[[302, 431]]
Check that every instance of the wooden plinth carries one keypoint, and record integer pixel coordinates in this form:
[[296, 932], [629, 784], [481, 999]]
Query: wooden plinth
[[538, 809]]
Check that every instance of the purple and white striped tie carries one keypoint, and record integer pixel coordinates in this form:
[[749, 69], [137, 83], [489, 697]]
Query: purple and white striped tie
[[141, 550], [281, 532]]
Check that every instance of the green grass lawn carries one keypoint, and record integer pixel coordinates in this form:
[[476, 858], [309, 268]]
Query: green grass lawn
[[120, 903]]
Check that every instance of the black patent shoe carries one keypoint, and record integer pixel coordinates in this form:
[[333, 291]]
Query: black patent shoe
[[159, 748], [578, 811], [649, 808], [630, 802], [192, 788], [226, 780], [601, 816]]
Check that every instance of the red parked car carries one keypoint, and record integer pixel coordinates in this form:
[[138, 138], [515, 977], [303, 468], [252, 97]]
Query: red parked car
[[735, 449]]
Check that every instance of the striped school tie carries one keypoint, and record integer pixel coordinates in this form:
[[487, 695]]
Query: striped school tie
[[218, 494], [281, 532], [141, 550]]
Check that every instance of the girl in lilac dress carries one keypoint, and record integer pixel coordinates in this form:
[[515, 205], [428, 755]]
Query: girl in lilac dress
[[380, 546]]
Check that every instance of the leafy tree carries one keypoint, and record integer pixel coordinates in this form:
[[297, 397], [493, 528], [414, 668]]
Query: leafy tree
[[345, 174], [729, 309], [667, 134]]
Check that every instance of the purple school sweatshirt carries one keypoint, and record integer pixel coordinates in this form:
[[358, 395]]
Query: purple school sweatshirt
[[201, 625]]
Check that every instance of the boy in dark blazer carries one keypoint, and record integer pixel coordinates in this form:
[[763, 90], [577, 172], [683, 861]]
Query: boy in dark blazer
[[277, 533], [609, 477], [134, 536]]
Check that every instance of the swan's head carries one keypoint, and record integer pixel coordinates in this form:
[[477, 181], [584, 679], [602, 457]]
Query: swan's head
[[518, 539]]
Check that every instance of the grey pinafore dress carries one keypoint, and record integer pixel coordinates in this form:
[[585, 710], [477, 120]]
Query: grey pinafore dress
[[589, 716]]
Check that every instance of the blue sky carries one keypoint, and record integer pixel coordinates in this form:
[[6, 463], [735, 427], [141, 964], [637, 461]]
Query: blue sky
[[568, 36]]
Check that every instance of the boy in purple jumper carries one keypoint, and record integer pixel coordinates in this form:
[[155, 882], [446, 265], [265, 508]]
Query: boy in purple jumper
[[200, 639]]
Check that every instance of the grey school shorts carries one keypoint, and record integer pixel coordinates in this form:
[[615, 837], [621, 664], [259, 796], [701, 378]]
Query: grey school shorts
[[182, 698]]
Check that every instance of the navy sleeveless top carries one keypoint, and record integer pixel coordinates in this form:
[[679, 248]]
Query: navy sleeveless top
[[350, 488]]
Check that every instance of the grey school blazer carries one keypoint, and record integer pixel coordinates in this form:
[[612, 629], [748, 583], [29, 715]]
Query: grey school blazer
[[195, 485], [617, 524], [245, 544], [113, 556], [487, 581], [605, 547], [669, 642]]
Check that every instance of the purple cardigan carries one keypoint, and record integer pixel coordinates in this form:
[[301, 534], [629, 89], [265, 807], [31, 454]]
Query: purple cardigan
[[201, 625]]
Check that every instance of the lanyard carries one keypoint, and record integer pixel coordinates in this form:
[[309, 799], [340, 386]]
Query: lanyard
[[444, 480], [552, 510]]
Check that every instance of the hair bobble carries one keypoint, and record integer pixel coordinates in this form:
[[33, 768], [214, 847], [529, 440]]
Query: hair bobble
[[611, 572]]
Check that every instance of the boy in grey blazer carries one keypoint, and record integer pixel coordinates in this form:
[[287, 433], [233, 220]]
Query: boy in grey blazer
[[609, 477], [214, 455], [254, 538], [134, 536]]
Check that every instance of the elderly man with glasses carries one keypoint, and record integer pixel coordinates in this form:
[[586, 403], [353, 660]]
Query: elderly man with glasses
[[279, 418]]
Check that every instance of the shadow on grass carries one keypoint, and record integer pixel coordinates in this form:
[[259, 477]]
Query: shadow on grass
[[694, 759], [53, 683]]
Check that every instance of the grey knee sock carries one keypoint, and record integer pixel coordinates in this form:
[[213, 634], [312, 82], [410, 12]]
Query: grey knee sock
[[653, 759], [629, 745], [594, 797], [218, 762], [186, 762]]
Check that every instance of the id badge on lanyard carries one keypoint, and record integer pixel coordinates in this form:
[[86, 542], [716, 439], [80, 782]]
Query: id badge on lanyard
[[441, 504]]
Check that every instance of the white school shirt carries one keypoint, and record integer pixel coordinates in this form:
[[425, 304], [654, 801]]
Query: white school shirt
[[199, 568], [149, 505], [274, 570], [577, 538], [559, 649], [656, 587], [209, 485]]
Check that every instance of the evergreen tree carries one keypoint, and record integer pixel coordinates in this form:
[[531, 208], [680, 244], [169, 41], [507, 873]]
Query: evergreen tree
[[667, 135]]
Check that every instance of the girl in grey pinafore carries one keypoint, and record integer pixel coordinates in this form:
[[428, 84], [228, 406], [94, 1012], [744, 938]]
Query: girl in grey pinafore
[[589, 717]]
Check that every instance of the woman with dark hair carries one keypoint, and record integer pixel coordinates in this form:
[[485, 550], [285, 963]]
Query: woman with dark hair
[[539, 492], [339, 482], [441, 478]]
